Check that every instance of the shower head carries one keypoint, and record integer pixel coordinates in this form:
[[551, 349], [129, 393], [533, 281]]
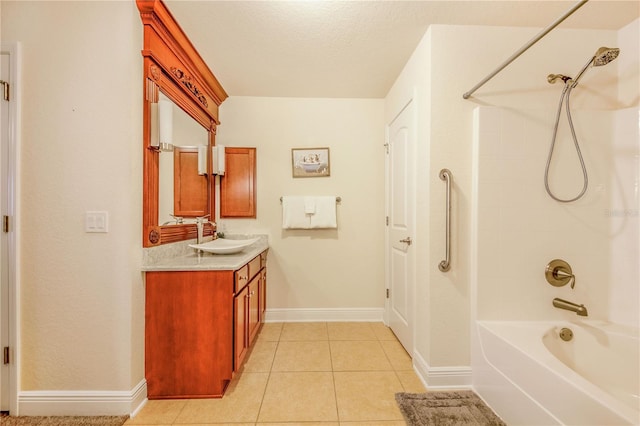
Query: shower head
[[604, 55]]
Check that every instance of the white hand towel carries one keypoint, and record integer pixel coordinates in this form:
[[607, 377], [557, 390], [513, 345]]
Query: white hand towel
[[293, 215], [325, 216], [309, 205]]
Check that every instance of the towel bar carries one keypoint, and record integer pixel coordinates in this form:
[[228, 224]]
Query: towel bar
[[338, 199]]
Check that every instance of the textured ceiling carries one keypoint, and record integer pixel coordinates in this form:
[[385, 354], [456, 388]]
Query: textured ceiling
[[350, 48]]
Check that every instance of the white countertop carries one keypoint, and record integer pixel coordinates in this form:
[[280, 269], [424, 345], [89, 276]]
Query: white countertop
[[181, 257]]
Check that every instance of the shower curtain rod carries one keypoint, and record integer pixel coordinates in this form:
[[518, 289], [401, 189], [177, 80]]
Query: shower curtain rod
[[525, 47]]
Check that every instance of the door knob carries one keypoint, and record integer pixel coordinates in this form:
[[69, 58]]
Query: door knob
[[406, 240]]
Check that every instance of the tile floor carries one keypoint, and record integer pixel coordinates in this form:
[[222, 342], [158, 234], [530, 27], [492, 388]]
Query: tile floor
[[330, 374]]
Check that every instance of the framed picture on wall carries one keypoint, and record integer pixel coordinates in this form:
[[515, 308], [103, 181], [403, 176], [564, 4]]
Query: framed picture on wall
[[310, 162]]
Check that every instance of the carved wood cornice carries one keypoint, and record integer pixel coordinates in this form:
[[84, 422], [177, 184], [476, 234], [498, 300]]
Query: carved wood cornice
[[155, 72], [190, 85], [161, 24]]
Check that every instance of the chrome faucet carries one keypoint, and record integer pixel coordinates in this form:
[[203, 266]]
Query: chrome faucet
[[200, 221], [569, 306]]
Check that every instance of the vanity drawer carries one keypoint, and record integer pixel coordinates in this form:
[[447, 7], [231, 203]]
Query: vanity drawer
[[254, 267], [241, 278], [249, 271]]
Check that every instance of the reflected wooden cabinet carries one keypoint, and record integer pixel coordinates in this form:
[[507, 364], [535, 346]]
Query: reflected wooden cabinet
[[199, 326], [190, 189], [238, 184]]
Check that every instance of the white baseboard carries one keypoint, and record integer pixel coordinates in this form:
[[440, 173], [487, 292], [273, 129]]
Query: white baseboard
[[82, 403], [322, 315], [441, 378]]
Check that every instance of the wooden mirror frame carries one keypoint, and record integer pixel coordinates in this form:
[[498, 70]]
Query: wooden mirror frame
[[172, 65]]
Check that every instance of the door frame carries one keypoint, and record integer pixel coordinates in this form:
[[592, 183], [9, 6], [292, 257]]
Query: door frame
[[411, 98], [13, 209]]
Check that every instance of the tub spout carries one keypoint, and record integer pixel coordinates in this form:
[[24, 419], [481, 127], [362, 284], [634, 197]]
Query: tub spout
[[569, 306]]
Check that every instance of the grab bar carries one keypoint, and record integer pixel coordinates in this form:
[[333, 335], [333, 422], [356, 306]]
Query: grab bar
[[445, 265]]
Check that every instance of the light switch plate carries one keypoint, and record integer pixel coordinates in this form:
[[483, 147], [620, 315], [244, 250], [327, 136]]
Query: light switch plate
[[96, 221]]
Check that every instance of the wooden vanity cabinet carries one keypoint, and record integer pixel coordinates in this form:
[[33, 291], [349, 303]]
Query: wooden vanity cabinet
[[250, 282], [199, 328]]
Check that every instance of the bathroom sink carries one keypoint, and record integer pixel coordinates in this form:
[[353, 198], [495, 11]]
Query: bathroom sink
[[224, 246]]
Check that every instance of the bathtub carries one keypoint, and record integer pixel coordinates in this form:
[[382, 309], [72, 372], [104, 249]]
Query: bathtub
[[529, 375]]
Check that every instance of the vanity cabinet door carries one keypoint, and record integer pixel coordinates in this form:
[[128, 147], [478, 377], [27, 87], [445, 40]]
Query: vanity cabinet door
[[240, 327], [238, 185], [263, 294], [254, 307], [188, 331], [249, 306]]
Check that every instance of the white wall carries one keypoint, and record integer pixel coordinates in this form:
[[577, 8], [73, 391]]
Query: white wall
[[82, 325], [328, 270]]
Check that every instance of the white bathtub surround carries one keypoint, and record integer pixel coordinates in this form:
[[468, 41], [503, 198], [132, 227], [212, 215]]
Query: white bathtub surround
[[521, 366], [520, 228], [605, 354], [584, 384], [517, 230], [624, 218]]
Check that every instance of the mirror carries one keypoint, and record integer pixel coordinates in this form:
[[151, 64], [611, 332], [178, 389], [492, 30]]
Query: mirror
[[182, 182], [174, 71]]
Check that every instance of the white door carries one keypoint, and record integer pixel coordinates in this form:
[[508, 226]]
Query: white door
[[7, 231], [401, 217]]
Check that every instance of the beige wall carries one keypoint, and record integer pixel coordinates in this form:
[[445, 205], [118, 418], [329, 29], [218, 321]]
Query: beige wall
[[81, 294], [316, 269]]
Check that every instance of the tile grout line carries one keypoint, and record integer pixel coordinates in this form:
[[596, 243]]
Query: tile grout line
[[333, 376], [264, 392]]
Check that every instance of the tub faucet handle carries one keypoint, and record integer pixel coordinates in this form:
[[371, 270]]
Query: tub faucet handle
[[558, 273], [562, 274]]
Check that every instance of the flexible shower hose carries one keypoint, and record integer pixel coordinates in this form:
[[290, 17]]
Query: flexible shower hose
[[566, 91]]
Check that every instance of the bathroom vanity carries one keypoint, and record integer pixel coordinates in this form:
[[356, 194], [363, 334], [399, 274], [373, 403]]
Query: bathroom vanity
[[202, 314], [202, 310]]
